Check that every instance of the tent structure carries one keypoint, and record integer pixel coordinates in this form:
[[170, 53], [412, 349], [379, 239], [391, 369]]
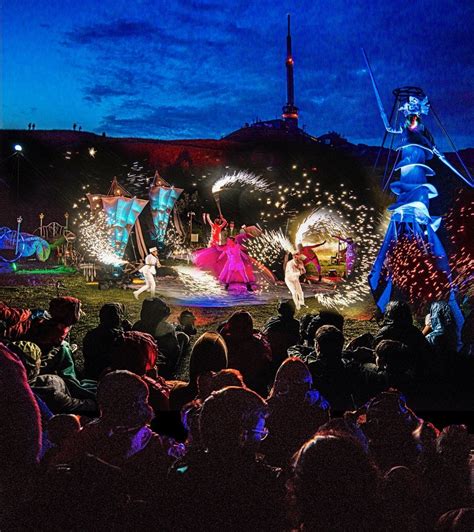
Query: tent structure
[[122, 212], [162, 196]]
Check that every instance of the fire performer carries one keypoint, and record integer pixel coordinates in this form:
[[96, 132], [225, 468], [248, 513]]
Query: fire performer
[[310, 257], [149, 271], [216, 228]]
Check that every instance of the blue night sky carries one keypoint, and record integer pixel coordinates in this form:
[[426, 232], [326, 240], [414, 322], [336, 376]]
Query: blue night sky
[[201, 69]]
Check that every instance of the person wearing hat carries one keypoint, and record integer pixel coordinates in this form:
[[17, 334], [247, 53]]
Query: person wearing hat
[[149, 271]]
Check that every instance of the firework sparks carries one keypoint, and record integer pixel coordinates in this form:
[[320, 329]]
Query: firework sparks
[[243, 179], [94, 238], [320, 223], [198, 282]]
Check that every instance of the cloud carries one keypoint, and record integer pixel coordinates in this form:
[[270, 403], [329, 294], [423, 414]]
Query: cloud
[[118, 30]]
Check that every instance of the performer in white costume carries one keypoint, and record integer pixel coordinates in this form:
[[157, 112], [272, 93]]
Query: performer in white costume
[[293, 270], [149, 271]]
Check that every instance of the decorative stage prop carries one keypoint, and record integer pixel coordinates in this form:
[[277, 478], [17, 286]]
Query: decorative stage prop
[[23, 245], [412, 229], [162, 199], [121, 211]]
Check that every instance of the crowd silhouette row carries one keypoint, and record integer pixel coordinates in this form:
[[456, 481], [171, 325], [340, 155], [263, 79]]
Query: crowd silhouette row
[[291, 427]]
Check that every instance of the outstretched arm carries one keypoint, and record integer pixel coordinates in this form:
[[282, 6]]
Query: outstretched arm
[[224, 222], [469, 179], [208, 219]]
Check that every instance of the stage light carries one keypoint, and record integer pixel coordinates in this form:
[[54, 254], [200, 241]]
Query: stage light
[[18, 147]]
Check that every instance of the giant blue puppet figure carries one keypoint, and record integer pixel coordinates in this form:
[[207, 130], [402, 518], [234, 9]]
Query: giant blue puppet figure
[[410, 214]]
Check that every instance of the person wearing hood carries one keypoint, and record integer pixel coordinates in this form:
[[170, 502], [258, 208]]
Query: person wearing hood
[[99, 342], [398, 325], [51, 389], [172, 345]]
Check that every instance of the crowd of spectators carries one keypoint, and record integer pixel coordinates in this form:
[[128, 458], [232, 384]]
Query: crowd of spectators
[[291, 427]]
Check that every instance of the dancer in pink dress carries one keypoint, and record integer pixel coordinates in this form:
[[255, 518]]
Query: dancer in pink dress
[[235, 270]]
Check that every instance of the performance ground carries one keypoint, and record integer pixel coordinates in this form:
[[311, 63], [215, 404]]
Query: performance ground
[[193, 287]]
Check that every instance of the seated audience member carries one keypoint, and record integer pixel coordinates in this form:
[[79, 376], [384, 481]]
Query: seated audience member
[[248, 351], [442, 335], [282, 332], [310, 323], [335, 486], [20, 433], [390, 428], [209, 353], [186, 323], [207, 383], [14, 322], [173, 345], [98, 342], [392, 369], [50, 333], [122, 436], [453, 448], [235, 490], [402, 499], [137, 352], [295, 412], [332, 376], [398, 325], [51, 389], [60, 428]]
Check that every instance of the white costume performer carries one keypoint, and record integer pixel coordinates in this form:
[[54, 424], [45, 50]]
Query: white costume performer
[[149, 271], [294, 269]]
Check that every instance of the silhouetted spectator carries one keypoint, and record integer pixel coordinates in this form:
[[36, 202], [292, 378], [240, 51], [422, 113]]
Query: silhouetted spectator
[[74, 126], [50, 333], [398, 325], [137, 352], [392, 368], [186, 323], [227, 486], [282, 332], [98, 342], [389, 426], [331, 374], [295, 412], [442, 336], [209, 353], [335, 486], [52, 389], [248, 351], [172, 345], [20, 434]]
